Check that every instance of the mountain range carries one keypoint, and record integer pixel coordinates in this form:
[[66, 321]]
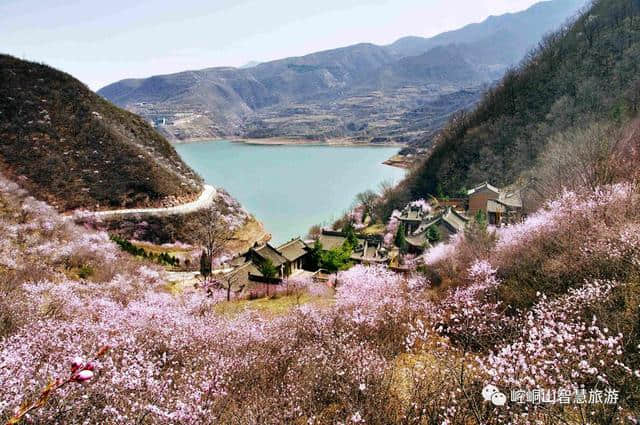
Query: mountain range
[[401, 92]]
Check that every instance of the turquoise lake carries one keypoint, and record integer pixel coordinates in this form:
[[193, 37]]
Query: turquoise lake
[[291, 188]]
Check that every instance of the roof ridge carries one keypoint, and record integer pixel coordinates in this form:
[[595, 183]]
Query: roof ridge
[[290, 242]]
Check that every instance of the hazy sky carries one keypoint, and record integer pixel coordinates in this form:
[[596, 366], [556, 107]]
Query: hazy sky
[[100, 42]]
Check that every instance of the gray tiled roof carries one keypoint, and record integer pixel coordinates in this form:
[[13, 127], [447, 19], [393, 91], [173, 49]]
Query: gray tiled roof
[[330, 241], [483, 186], [418, 240], [293, 249], [248, 267], [424, 226], [455, 220], [270, 253], [511, 199], [506, 197]]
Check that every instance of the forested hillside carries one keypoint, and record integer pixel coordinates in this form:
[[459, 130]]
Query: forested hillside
[[73, 149], [586, 73]]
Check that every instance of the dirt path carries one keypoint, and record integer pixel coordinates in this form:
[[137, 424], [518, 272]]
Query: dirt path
[[207, 196]]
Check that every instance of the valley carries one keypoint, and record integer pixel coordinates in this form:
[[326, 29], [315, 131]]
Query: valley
[[399, 93], [439, 231]]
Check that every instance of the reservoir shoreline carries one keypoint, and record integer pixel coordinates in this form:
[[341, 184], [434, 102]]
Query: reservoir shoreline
[[290, 188], [285, 141]]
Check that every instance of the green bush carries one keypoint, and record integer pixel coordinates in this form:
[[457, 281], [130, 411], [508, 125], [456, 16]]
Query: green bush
[[336, 259], [85, 271], [162, 258], [400, 240], [433, 234]]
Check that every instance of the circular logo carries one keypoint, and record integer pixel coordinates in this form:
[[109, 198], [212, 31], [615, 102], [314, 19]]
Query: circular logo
[[492, 393], [499, 399], [488, 391]]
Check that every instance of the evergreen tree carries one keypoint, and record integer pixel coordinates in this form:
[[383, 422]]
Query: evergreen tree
[[350, 232], [439, 191], [205, 264], [337, 259], [481, 219], [267, 269], [400, 240], [433, 234], [315, 256]]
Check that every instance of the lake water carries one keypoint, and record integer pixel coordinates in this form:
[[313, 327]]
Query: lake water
[[291, 188]]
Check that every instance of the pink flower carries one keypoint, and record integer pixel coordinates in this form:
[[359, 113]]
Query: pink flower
[[84, 376], [77, 363]]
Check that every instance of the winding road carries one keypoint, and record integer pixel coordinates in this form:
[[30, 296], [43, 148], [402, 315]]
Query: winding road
[[204, 200]]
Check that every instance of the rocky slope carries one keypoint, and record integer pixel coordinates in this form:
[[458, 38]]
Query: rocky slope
[[73, 149], [401, 92]]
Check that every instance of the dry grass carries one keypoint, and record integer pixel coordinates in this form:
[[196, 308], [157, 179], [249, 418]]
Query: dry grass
[[270, 307], [374, 229], [64, 141]]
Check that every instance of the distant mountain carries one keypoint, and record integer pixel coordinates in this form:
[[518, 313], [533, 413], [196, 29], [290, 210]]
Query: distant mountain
[[360, 92], [585, 74], [72, 148], [501, 39], [250, 64]]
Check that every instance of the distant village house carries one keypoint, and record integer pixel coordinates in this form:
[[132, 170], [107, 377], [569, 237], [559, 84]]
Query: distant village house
[[423, 229], [445, 224], [368, 251], [502, 206]]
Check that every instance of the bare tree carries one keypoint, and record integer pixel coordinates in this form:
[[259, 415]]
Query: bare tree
[[314, 231], [585, 158], [213, 231], [228, 282], [385, 187], [368, 199], [231, 282]]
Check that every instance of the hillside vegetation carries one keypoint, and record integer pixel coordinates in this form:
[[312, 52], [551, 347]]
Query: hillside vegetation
[[73, 149], [552, 304], [585, 73]]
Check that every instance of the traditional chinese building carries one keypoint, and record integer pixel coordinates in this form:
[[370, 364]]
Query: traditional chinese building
[[445, 224], [368, 251], [288, 259], [502, 206], [412, 217], [295, 252], [266, 252]]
